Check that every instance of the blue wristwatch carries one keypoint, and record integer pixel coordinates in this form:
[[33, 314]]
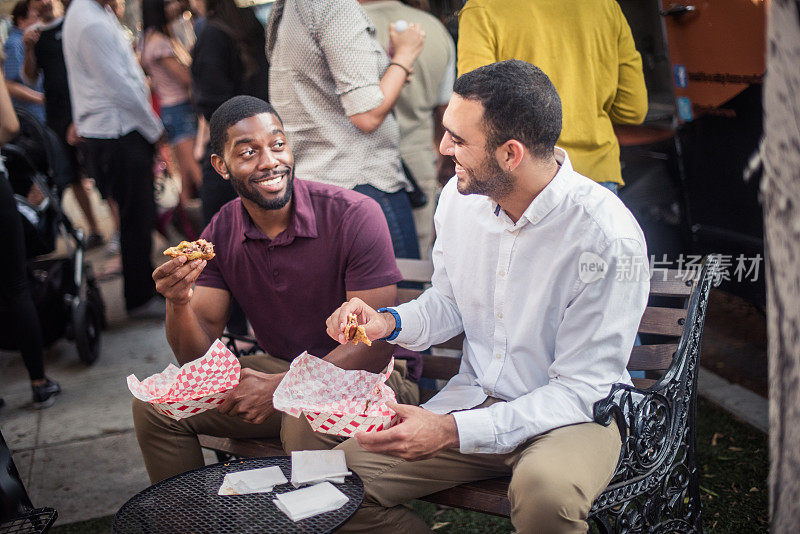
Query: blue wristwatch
[[398, 325]]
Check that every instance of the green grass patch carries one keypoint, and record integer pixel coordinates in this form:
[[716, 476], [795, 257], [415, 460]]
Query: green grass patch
[[733, 462]]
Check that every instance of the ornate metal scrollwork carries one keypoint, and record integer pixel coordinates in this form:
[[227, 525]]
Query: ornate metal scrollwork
[[655, 487]]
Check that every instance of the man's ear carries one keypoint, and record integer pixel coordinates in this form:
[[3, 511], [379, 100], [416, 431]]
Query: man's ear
[[510, 154], [219, 165]]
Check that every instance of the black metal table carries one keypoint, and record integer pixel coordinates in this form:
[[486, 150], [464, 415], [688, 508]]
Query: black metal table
[[188, 503]]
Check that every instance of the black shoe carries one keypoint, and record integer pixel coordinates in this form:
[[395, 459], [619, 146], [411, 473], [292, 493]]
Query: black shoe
[[94, 241], [44, 396]]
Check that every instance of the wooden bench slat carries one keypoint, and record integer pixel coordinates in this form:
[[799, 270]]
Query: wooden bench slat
[[662, 321], [485, 496], [652, 357], [671, 285], [643, 383]]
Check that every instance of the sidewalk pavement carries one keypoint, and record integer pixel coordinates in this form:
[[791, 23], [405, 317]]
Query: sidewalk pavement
[[80, 456]]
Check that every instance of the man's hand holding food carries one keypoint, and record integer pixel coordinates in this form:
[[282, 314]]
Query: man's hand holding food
[[174, 279], [251, 400], [421, 434]]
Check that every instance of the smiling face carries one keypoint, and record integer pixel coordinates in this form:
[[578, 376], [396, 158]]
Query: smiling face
[[465, 141], [46, 9], [258, 161]]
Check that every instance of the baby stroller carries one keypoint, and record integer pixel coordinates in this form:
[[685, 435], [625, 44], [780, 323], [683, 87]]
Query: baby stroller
[[64, 290]]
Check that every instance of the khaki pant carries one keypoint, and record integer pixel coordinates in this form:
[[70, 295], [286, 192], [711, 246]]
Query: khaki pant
[[170, 447], [555, 478]]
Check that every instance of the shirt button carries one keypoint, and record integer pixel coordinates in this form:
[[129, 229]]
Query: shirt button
[[535, 219], [502, 273], [500, 315], [498, 356], [275, 272]]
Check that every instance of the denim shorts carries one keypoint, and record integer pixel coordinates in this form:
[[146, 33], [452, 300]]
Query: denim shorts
[[180, 122]]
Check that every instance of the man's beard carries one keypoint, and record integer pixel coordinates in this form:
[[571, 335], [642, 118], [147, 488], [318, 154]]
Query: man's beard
[[244, 189], [489, 179]]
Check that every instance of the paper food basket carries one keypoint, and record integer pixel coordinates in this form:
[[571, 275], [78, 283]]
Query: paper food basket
[[334, 400], [193, 388]]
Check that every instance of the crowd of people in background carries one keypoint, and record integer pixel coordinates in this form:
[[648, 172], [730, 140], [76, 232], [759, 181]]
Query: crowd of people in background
[[360, 87]]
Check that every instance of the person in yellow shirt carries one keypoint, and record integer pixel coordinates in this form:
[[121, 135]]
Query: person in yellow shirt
[[587, 50]]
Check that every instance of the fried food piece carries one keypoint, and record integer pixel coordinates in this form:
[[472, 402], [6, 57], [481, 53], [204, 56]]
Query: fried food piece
[[354, 332], [192, 250]]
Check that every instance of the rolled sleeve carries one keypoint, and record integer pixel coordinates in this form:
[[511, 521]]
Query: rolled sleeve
[[361, 99], [354, 57]]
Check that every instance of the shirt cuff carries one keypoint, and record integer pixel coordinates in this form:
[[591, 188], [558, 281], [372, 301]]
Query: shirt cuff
[[475, 431], [411, 327], [361, 99]]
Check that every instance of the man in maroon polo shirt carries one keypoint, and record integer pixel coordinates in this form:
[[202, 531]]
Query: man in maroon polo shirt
[[289, 251]]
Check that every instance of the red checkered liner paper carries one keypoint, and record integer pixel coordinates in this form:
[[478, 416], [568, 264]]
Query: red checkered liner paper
[[336, 401], [194, 388]]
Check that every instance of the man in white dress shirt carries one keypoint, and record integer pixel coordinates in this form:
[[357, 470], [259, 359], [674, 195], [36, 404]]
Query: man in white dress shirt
[[546, 274], [112, 113]]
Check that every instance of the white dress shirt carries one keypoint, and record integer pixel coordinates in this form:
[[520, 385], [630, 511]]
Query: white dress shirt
[[539, 335], [107, 85]]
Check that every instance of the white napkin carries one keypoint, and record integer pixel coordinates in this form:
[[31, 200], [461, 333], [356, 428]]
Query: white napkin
[[252, 481], [310, 467], [310, 501]]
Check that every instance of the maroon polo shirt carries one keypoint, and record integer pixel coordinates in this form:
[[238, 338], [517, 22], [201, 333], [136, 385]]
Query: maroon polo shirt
[[337, 241]]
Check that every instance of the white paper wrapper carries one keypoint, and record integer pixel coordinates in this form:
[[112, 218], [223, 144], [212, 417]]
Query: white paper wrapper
[[336, 401], [313, 500], [312, 467], [252, 481]]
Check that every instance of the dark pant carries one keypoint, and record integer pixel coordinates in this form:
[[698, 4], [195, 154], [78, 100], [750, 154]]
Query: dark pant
[[400, 217], [14, 290], [123, 169], [215, 193]]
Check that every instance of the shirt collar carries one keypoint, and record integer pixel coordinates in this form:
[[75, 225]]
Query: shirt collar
[[550, 196], [303, 222]]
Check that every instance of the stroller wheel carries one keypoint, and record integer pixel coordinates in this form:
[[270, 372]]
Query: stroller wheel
[[87, 326]]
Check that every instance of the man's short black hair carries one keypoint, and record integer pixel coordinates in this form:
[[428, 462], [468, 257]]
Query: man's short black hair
[[20, 11], [519, 102], [232, 111]]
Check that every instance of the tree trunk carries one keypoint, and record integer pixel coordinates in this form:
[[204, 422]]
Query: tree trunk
[[781, 196]]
